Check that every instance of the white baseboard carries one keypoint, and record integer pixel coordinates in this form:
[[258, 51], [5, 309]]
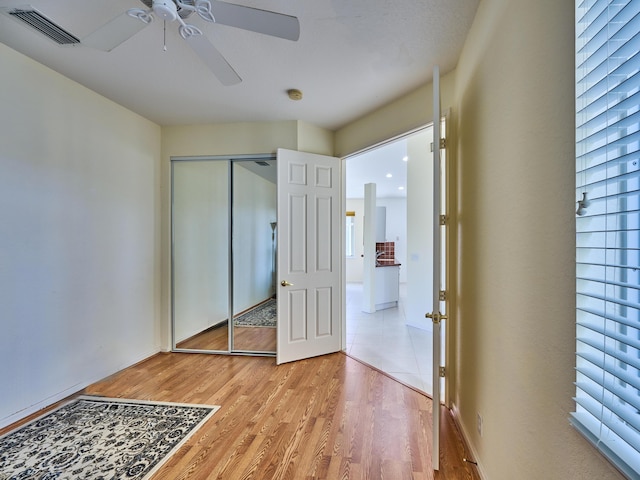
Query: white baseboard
[[41, 405], [465, 436], [67, 392]]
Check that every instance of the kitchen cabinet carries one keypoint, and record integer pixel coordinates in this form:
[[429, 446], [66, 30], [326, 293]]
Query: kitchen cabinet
[[387, 286]]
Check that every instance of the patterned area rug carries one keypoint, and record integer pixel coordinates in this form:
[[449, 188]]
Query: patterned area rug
[[99, 438], [264, 315]]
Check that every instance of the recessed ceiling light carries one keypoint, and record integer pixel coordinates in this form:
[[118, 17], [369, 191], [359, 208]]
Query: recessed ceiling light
[[400, 188], [405, 159], [389, 175]]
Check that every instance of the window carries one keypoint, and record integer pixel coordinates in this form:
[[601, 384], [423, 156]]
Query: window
[[350, 230], [607, 229]]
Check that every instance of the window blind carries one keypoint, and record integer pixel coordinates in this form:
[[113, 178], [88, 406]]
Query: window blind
[[607, 383]]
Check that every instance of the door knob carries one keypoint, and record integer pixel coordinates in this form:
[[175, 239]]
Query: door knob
[[436, 317], [284, 283]]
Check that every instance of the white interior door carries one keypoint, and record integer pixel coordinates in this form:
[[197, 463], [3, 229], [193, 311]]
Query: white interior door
[[309, 236], [437, 316]]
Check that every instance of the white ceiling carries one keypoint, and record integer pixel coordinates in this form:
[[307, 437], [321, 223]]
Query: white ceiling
[[375, 166], [352, 57]]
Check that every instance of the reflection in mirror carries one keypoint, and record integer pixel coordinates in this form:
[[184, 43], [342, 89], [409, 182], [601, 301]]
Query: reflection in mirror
[[254, 250], [200, 250]]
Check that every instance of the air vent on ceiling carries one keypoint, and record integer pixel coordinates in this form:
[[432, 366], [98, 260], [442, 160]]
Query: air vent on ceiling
[[33, 18], [262, 163]]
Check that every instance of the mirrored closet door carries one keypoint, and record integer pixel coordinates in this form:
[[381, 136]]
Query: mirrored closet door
[[224, 235], [254, 255], [200, 255]]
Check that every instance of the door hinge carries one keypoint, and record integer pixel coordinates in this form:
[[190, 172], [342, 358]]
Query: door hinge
[[443, 220], [443, 372], [443, 144], [442, 296]]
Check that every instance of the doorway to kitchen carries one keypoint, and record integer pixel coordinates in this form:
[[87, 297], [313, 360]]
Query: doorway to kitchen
[[389, 264]]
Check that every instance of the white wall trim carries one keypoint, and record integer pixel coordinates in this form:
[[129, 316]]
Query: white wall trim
[[74, 389], [455, 414]]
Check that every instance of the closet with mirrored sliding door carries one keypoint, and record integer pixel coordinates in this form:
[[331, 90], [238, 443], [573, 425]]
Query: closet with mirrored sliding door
[[223, 254]]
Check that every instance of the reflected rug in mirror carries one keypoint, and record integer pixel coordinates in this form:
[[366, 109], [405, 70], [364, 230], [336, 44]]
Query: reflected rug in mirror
[[100, 438], [263, 315]]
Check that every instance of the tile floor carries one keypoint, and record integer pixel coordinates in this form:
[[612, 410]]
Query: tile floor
[[384, 341]]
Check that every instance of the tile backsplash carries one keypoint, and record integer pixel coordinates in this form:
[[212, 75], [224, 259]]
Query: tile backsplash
[[388, 250]]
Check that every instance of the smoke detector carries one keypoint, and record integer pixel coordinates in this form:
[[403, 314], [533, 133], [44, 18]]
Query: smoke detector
[[294, 94]]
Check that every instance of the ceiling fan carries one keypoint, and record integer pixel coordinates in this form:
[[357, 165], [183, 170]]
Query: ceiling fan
[[127, 24], [133, 20]]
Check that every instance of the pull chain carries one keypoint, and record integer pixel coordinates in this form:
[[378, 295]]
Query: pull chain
[[164, 36]]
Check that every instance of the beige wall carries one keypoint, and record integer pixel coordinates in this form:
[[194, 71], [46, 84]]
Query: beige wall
[[228, 139], [79, 241], [410, 112], [314, 139], [514, 98]]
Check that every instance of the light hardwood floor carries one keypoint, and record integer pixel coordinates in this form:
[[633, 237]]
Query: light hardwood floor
[[328, 417], [256, 339]]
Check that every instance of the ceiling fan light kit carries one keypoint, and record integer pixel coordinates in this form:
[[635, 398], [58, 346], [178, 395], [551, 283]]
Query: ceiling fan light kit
[[126, 25]]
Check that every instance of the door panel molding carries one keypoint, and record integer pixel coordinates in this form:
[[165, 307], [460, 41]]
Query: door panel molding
[[309, 265]]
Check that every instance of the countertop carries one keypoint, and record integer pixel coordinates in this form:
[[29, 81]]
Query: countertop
[[387, 263]]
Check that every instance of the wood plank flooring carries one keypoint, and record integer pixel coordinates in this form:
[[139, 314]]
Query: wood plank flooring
[[329, 417], [255, 339]]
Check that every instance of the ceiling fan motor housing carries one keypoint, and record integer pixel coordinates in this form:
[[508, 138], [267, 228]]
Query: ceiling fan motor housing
[[182, 12], [165, 9]]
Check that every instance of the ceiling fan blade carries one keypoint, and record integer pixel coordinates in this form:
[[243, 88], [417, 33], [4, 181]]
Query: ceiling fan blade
[[213, 59], [114, 32], [256, 20]]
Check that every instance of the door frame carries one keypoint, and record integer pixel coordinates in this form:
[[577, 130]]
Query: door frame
[[230, 159], [445, 257], [445, 115]]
